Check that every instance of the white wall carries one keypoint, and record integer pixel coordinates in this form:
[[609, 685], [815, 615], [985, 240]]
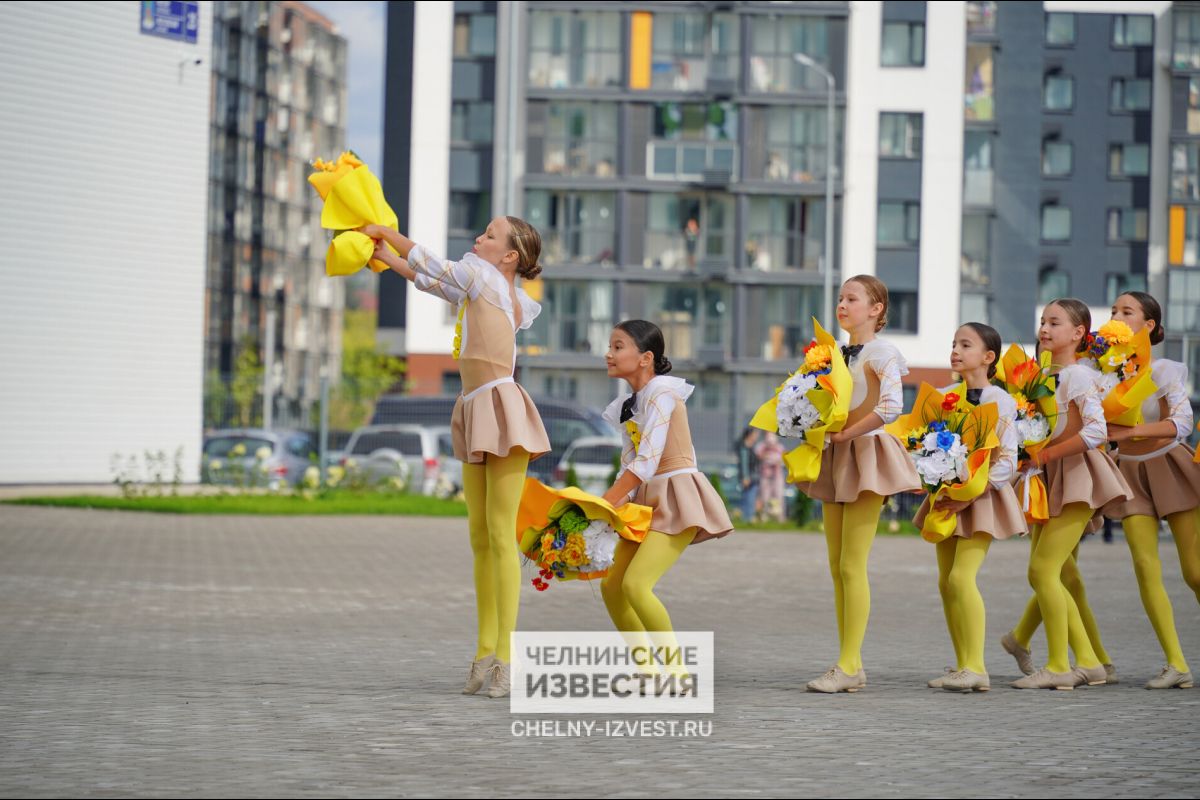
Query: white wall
[[105, 135], [428, 329], [936, 91]]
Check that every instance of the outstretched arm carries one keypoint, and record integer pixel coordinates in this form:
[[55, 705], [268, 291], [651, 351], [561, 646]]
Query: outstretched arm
[[396, 239], [397, 264]]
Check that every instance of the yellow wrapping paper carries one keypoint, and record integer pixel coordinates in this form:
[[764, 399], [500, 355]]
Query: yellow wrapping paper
[[1016, 370], [353, 198], [978, 432], [832, 399], [1123, 403], [539, 503]]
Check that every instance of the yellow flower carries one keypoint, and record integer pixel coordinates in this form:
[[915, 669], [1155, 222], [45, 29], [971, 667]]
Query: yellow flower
[[575, 553], [1020, 399], [312, 477], [817, 357], [1116, 332], [238, 449], [635, 435], [457, 351], [262, 453], [547, 542]]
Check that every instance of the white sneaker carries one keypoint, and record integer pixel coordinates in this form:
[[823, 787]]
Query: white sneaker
[[478, 674]]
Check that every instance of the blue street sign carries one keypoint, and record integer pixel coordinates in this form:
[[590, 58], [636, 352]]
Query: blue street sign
[[171, 19]]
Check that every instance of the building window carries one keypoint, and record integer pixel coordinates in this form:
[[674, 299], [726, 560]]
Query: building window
[[576, 227], [1128, 160], [1118, 283], [684, 229], [1186, 49], [474, 35], [691, 48], [1185, 171], [788, 144], [1057, 158], [1058, 93], [779, 321], [471, 122], [1184, 244], [980, 106], [978, 177], [1131, 94], [691, 139], [1053, 284], [773, 42], [903, 44], [899, 135], [976, 249], [1132, 31], [1183, 300], [576, 139], [690, 316], [470, 212], [1193, 109], [899, 224], [577, 317], [1056, 223], [973, 308], [1060, 30], [785, 233], [981, 17], [902, 311], [574, 49], [1128, 225]]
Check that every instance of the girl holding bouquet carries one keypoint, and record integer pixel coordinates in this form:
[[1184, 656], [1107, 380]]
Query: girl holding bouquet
[[1165, 483], [860, 466], [658, 469], [1080, 478], [995, 514], [495, 426]]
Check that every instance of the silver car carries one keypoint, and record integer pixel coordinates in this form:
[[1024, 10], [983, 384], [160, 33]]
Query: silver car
[[257, 457], [422, 457], [593, 458]]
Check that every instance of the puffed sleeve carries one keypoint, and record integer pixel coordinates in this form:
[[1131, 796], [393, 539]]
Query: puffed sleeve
[[1079, 384], [653, 423], [1004, 462], [889, 365], [1172, 380], [453, 281]]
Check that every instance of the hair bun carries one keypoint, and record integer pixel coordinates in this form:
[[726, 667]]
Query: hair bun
[[662, 365], [531, 272]]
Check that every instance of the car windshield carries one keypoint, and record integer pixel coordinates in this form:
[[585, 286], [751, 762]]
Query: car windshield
[[596, 454], [220, 446], [408, 444]]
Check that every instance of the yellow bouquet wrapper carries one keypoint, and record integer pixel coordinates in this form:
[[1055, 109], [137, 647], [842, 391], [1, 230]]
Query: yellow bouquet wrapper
[[540, 502], [353, 198], [977, 427], [1123, 403], [832, 399], [1031, 492], [1016, 370]]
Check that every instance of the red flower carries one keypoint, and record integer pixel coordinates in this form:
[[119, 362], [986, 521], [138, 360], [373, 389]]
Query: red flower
[[810, 346], [950, 402]]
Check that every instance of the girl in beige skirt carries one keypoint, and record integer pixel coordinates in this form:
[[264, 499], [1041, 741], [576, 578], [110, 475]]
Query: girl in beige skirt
[[1165, 483], [860, 466], [995, 514], [494, 426], [1080, 479]]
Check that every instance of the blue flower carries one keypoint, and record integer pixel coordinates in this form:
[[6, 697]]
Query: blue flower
[[945, 439], [937, 425]]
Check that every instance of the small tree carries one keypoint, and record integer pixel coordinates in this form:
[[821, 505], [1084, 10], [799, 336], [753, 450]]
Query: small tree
[[247, 381], [572, 478], [367, 372], [216, 398]]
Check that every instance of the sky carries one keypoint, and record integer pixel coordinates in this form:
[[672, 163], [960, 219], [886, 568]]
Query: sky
[[364, 25]]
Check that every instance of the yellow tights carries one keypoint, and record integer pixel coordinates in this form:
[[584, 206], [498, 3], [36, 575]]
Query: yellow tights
[[849, 532], [1141, 532], [959, 561], [628, 589], [493, 491]]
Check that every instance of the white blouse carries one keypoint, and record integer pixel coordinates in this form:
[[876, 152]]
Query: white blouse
[[469, 279], [1080, 383], [885, 360], [1171, 378], [652, 414], [1004, 462]]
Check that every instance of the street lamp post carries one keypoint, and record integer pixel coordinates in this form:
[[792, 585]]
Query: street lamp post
[[827, 260]]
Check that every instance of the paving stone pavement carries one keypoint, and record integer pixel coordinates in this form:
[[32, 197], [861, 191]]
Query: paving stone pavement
[[151, 655]]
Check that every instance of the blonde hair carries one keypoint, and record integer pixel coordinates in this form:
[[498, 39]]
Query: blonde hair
[[1079, 314], [525, 239], [877, 292]]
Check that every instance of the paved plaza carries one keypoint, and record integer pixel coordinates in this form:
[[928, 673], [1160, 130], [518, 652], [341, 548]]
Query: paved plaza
[[157, 655]]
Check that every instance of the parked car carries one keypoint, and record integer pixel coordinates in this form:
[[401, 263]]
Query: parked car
[[565, 422], [257, 457], [421, 456], [592, 457]]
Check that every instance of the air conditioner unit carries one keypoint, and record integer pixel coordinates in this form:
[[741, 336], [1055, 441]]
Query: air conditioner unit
[[716, 177], [711, 355]]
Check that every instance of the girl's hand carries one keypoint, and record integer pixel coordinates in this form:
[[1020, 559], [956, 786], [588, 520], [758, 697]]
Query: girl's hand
[[1119, 433], [950, 506], [373, 231], [838, 438]]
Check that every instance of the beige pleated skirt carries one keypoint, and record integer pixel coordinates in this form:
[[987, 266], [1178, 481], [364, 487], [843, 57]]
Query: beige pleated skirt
[[996, 512], [495, 421], [874, 463], [1090, 477], [684, 501], [1162, 485]]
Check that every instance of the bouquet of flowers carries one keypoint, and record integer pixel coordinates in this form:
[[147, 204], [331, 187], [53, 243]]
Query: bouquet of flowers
[[1123, 358], [572, 535], [353, 198], [813, 401], [1031, 385], [950, 442]]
